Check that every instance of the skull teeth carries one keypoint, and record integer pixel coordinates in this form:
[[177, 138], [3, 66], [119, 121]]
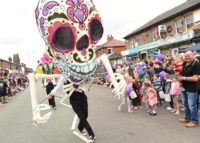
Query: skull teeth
[[80, 72]]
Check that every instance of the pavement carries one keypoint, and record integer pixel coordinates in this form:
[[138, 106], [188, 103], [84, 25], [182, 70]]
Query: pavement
[[109, 125]]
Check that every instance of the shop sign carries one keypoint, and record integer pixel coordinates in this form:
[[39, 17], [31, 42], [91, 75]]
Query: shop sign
[[177, 39], [148, 46], [169, 29], [125, 53]]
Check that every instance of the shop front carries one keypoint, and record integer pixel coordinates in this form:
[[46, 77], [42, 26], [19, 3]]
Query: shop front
[[170, 46], [145, 49], [195, 47], [130, 54]]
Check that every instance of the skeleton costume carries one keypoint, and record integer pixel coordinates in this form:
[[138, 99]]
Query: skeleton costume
[[71, 29]]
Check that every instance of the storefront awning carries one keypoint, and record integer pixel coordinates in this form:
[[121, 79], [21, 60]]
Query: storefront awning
[[131, 51], [195, 47]]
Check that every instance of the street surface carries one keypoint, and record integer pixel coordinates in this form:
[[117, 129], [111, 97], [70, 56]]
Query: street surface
[[110, 126]]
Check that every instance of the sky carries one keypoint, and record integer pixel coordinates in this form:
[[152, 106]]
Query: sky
[[19, 33]]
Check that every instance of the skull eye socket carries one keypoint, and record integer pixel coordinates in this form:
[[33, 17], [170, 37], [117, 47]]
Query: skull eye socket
[[96, 30], [83, 43], [63, 39]]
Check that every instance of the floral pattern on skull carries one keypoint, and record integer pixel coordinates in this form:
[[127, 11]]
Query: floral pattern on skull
[[70, 29]]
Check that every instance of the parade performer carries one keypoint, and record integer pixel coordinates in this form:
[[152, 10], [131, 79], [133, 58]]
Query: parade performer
[[71, 29], [79, 103]]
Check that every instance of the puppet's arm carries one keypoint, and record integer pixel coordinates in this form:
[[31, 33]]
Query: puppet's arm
[[39, 119], [117, 80]]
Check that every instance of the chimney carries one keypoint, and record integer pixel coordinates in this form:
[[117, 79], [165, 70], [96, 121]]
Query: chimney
[[109, 38], [10, 59]]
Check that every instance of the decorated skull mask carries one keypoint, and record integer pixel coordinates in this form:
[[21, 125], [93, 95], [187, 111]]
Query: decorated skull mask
[[70, 29]]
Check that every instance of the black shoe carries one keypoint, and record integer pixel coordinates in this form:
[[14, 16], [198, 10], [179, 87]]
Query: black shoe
[[82, 132], [92, 138]]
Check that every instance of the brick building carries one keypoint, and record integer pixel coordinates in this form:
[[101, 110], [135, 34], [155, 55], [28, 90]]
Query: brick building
[[112, 48], [11, 67], [7, 67], [176, 30]]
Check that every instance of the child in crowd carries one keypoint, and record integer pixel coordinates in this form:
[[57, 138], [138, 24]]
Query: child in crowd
[[178, 67], [168, 96], [158, 85], [147, 78], [138, 89], [17, 88], [175, 92], [126, 98], [135, 88], [178, 64], [151, 97]]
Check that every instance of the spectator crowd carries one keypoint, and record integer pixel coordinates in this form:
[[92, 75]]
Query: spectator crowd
[[161, 82], [10, 85]]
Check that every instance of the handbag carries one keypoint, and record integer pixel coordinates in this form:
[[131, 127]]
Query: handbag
[[161, 94], [133, 95], [167, 98]]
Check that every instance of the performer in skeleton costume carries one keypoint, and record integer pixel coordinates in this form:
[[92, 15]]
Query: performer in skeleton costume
[[71, 29]]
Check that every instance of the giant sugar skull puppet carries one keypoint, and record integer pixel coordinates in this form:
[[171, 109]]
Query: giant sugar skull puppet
[[70, 29]]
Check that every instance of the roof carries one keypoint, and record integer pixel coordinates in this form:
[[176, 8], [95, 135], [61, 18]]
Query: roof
[[9, 62], [111, 43], [178, 10]]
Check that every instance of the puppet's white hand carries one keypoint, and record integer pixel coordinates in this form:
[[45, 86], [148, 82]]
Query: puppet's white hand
[[37, 118], [119, 85]]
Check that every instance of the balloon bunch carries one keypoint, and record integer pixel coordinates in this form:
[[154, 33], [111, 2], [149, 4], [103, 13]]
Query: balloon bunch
[[157, 56]]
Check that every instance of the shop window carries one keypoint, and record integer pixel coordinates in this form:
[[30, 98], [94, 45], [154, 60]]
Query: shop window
[[136, 43], [110, 51], [189, 20], [155, 33], [143, 56], [179, 26], [174, 52], [131, 42]]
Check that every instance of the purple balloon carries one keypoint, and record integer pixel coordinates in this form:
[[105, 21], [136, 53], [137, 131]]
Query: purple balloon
[[14, 75], [162, 75], [128, 90], [105, 73], [159, 57]]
